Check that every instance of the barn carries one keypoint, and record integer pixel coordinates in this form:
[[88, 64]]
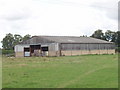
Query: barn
[[63, 46]]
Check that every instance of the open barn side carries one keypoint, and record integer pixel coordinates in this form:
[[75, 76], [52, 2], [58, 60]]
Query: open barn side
[[80, 49]]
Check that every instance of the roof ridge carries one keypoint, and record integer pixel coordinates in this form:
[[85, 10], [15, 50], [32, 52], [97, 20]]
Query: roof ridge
[[57, 36], [69, 39]]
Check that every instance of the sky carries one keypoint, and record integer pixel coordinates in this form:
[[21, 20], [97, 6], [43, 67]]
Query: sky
[[57, 17]]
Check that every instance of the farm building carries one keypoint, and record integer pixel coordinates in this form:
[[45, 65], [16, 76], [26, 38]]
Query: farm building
[[63, 46]]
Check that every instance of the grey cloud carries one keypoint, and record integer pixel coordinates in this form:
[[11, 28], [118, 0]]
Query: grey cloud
[[109, 8], [14, 17]]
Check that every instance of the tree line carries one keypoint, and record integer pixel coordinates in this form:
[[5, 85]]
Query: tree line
[[109, 35], [10, 40]]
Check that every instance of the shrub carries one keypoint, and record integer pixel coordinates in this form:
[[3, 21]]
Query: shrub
[[117, 50], [8, 52]]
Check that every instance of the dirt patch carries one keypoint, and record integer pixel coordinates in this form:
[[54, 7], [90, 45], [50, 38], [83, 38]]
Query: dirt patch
[[22, 65]]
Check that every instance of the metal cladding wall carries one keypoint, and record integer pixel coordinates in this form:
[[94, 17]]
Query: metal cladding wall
[[53, 49], [79, 49], [87, 46], [60, 49], [19, 50]]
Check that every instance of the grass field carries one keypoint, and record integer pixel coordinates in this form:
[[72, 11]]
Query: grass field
[[87, 71]]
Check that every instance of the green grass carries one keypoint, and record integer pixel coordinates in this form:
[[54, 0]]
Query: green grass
[[87, 71]]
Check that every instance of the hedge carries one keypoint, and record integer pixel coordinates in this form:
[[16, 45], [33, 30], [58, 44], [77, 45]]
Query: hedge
[[8, 52], [117, 49]]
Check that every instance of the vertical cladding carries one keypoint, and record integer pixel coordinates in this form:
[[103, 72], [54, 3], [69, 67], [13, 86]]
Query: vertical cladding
[[81, 49], [19, 50], [54, 49], [86, 46]]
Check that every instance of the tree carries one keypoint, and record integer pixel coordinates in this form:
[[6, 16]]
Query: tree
[[98, 34], [17, 39], [110, 35], [26, 37], [117, 41], [8, 42]]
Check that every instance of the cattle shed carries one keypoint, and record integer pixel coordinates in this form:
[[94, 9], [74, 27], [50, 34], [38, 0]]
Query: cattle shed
[[63, 46]]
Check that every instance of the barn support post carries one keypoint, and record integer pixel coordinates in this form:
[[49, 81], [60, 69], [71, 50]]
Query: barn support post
[[81, 52], [30, 52], [88, 49], [71, 52], [99, 48], [60, 47], [107, 50]]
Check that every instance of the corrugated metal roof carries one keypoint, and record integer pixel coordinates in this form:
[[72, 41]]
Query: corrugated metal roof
[[73, 39], [63, 39]]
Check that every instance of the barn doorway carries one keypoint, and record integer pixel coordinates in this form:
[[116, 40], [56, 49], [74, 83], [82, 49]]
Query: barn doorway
[[44, 51], [35, 50], [27, 52], [38, 50]]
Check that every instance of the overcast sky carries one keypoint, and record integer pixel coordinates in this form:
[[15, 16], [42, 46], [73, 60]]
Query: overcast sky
[[57, 17]]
